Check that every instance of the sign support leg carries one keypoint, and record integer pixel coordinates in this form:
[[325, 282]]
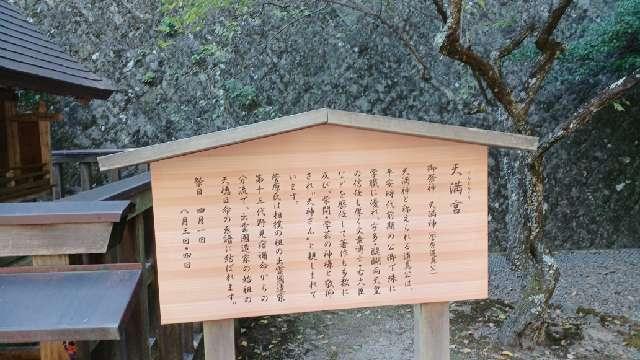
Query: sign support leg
[[219, 343], [431, 331]]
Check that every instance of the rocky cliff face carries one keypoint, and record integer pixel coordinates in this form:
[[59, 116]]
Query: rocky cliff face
[[232, 71]]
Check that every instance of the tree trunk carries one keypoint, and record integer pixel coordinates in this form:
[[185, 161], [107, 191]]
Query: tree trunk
[[526, 250]]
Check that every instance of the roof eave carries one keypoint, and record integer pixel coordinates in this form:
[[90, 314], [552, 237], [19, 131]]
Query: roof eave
[[21, 80], [312, 118]]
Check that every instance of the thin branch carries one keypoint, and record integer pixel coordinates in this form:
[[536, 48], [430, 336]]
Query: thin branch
[[544, 37], [585, 112], [294, 21], [442, 12], [483, 90], [404, 37], [550, 49], [514, 43], [452, 48]]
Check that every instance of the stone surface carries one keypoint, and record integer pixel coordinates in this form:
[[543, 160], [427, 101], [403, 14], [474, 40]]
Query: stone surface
[[216, 75]]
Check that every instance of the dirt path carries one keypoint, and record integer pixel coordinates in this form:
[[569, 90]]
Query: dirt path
[[596, 316]]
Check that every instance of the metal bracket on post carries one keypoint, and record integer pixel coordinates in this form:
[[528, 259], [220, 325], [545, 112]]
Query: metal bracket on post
[[431, 331]]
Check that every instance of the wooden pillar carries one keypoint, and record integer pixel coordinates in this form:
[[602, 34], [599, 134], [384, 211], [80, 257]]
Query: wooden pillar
[[431, 331], [219, 343], [143, 297], [113, 175], [9, 109], [85, 176], [52, 350], [57, 180]]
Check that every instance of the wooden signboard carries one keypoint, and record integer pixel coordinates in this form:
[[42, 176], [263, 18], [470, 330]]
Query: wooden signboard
[[325, 217]]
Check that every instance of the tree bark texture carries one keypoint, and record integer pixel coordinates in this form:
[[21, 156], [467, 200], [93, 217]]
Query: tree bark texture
[[526, 249]]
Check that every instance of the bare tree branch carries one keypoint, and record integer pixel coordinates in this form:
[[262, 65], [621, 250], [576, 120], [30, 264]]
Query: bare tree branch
[[513, 44], [442, 12], [550, 49], [452, 48], [544, 37], [404, 37], [585, 112]]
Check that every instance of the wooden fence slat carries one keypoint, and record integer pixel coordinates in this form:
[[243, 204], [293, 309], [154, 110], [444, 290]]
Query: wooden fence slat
[[431, 331], [219, 341], [85, 176]]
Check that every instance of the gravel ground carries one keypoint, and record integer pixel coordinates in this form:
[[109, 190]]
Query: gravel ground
[[607, 281]]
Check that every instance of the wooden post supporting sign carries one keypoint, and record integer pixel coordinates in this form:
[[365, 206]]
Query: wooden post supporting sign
[[431, 331], [219, 343]]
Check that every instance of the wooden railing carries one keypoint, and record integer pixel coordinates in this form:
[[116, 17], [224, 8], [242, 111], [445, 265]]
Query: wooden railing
[[76, 170], [132, 240], [22, 181], [135, 242]]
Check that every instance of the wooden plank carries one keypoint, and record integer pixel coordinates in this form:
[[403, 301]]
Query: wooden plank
[[212, 140], [119, 190], [431, 331], [50, 350], [433, 130], [312, 118], [48, 212], [65, 302], [53, 239], [81, 155], [446, 185], [85, 176], [218, 339], [56, 178]]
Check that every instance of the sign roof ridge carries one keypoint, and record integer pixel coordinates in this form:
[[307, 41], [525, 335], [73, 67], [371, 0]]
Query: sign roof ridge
[[313, 118]]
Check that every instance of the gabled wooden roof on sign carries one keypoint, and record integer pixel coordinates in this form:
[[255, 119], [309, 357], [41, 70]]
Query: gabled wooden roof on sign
[[313, 118], [29, 60]]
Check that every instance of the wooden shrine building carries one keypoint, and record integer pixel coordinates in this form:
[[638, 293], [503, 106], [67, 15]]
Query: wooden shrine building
[[29, 60]]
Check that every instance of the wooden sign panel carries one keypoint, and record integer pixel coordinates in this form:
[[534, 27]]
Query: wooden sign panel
[[327, 217]]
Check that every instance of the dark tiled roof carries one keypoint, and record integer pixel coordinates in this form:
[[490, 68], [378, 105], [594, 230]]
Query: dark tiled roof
[[29, 60]]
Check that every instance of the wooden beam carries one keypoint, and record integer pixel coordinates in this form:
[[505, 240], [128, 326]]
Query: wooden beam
[[431, 331], [36, 117], [219, 343], [56, 179], [53, 239], [432, 129], [52, 350], [85, 176], [312, 118], [212, 140], [50, 212]]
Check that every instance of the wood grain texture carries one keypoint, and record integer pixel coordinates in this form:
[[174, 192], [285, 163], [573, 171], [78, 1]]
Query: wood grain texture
[[433, 130], [431, 331], [54, 239], [201, 292], [52, 350], [219, 343], [48, 212], [313, 118], [85, 303], [212, 140]]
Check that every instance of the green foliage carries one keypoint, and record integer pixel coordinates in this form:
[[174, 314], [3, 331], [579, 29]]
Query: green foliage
[[182, 15], [212, 51], [611, 45], [28, 99], [149, 78], [242, 96]]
